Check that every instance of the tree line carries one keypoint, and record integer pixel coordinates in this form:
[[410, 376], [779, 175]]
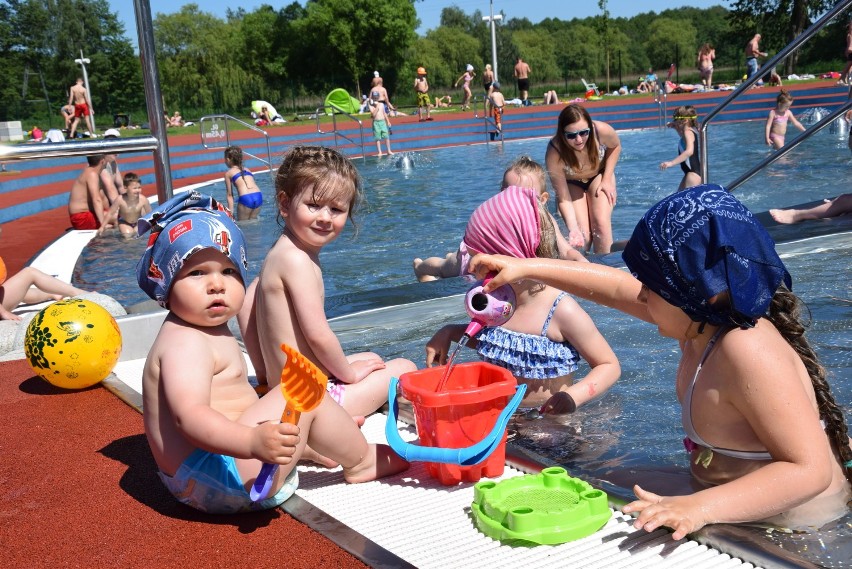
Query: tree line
[[293, 55]]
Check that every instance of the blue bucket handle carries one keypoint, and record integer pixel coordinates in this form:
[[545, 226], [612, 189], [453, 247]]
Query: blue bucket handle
[[467, 456]]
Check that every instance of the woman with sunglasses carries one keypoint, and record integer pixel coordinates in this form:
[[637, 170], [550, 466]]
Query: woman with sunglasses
[[581, 162]]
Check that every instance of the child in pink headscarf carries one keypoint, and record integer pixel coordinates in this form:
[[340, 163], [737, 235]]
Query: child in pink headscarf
[[548, 333]]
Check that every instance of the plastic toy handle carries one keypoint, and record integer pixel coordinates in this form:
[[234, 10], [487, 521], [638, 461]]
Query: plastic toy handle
[[466, 456], [263, 482]]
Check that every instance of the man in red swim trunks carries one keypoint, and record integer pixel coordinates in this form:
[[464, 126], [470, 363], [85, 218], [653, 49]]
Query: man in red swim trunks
[[85, 204], [80, 99]]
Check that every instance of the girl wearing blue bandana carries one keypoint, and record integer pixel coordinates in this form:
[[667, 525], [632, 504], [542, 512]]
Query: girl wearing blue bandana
[[767, 440]]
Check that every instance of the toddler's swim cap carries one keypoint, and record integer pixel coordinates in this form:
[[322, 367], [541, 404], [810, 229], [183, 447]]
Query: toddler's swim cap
[[700, 242], [187, 223]]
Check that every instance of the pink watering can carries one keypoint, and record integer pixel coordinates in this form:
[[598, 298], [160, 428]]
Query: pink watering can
[[488, 309]]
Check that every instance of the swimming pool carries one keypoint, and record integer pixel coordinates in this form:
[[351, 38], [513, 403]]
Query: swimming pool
[[423, 211]]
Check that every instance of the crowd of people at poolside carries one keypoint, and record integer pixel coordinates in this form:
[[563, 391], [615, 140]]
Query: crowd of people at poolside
[[756, 403]]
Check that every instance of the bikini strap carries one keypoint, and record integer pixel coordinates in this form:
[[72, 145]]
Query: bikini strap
[[546, 325]]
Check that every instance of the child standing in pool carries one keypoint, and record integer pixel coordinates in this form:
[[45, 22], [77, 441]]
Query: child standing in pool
[[207, 429], [240, 179], [524, 172], [686, 126], [543, 341], [317, 190], [132, 205], [776, 122]]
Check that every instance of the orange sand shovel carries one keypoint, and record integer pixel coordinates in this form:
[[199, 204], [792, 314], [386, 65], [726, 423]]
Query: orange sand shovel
[[303, 386]]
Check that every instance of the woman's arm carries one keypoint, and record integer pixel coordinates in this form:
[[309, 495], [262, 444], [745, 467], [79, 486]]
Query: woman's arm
[[613, 150], [556, 172], [599, 283]]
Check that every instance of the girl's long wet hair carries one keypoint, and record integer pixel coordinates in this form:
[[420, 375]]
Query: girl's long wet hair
[[322, 171], [785, 313], [234, 156], [569, 115]]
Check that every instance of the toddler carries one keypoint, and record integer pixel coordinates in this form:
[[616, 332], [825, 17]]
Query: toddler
[[776, 122], [541, 344], [207, 429]]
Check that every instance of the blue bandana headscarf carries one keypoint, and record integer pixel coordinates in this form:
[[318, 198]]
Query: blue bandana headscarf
[[181, 226], [700, 242]]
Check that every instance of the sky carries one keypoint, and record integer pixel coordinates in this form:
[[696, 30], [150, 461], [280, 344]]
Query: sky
[[429, 11]]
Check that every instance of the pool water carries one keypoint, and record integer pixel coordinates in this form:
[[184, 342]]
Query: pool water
[[422, 211]]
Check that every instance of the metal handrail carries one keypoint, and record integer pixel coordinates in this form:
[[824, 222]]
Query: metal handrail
[[77, 148], [153, 98], [745, 85], [662, 100], [339, 111], [227, 136]]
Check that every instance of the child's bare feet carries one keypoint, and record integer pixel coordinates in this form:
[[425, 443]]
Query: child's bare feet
[[783, 215], [379, 462]]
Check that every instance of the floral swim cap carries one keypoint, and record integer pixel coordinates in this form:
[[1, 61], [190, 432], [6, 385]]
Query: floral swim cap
[[187, 223]]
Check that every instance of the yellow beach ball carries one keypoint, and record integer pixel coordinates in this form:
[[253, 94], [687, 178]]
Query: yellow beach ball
[[73, 343]]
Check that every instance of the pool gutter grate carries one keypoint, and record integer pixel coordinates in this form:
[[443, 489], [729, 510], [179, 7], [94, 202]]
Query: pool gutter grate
[[415, 518]]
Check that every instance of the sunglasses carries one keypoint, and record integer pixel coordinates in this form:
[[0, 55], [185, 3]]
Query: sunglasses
[[572, 135]]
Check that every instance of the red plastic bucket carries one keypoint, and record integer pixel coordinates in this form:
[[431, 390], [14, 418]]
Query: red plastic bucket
[[461, 415]]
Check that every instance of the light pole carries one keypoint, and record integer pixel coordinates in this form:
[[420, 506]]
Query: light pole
[[491, 19], [82, 63]]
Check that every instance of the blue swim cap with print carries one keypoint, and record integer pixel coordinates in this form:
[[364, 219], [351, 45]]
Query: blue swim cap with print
[[187, 223]]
